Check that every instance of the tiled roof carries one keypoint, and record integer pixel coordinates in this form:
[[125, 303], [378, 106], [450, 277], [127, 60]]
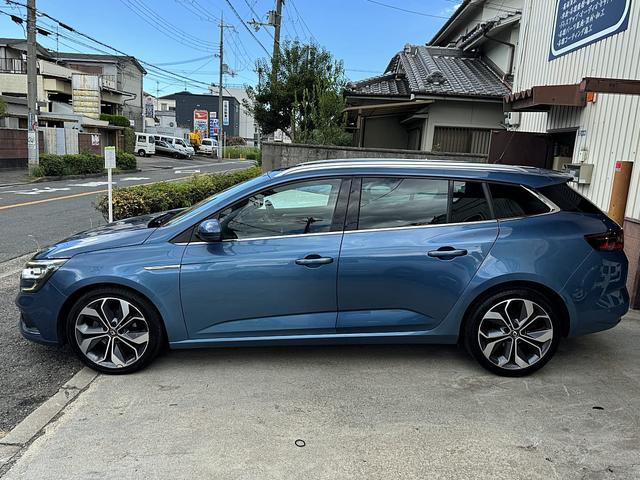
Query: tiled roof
[[423, 70]]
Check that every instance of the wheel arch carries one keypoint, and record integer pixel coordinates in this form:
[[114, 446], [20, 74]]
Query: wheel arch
[[73, 298], [554, 297]]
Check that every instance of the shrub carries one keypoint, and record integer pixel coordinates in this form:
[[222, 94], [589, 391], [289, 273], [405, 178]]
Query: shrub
[[126, 161], [117, 120], [158, 197], [129, 140], [250, 153], [52, 165]]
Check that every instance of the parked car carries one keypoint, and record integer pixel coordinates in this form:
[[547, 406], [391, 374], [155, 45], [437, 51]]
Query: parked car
[[208, 146], [506, 260], [145, 144], [181, 147], [169, 150]]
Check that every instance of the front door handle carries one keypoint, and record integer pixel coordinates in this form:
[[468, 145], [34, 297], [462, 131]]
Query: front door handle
[[314, 260], [447, 253]]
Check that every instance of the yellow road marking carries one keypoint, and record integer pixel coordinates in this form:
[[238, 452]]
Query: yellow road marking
[[45, 200]]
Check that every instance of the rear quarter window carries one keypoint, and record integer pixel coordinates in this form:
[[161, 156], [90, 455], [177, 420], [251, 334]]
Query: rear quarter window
[[567, 199], [510, 201]]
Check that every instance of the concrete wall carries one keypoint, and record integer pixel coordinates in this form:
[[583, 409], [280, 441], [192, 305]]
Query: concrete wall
[[461, 114], [278, 155]]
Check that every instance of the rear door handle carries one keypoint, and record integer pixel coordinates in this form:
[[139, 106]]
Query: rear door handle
[[447, 253], [314, 261]]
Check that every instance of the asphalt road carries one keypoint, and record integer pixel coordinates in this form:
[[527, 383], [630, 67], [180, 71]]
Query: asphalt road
[[29, 373], [33, 216]]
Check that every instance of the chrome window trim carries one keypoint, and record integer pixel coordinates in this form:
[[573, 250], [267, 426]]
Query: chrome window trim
[[263, 238], [414, 227], [162, 267]]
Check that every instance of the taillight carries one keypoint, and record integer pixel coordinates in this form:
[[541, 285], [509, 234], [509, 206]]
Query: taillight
[[610, 241]]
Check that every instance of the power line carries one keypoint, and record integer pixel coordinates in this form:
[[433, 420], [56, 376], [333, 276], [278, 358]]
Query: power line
[[235, 12], [256, 15], [293, 4], [406, 10], [71, 29]]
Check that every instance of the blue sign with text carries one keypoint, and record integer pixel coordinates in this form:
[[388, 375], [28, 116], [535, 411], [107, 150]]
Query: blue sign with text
[[579, 23]]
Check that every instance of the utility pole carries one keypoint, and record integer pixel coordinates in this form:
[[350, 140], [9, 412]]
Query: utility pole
[[277, 21], [32, 88], [220, 86]]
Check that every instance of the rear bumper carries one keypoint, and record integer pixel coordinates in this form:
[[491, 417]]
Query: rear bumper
[[596, 294]]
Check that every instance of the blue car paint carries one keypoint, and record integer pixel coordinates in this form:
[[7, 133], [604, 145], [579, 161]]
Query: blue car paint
[[548, 249]]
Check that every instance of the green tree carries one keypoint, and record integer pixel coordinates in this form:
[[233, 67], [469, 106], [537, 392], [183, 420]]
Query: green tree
[[3, 108], [303, 97]]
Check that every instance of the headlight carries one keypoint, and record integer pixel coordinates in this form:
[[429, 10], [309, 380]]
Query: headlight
[[36, 273]]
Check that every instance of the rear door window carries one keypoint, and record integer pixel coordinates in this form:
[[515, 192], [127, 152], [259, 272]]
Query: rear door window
[[510, 201], [469, 203], [402, 202]]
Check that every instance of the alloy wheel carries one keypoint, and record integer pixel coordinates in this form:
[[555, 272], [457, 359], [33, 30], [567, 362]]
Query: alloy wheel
[[111, 332], [515, 334]]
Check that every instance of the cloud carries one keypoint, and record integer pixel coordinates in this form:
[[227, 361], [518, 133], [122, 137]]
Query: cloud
[[449, 10]]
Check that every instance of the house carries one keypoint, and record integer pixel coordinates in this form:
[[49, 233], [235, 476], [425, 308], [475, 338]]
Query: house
[[445, 96], [73, 83], [439, 99]]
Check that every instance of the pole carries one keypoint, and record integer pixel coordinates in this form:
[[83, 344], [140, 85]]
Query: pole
[[275, 58], [220, 87], [32, 87], [110, 182], [620, 190]]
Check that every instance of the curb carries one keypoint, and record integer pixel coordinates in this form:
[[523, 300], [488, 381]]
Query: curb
[[22, 435]]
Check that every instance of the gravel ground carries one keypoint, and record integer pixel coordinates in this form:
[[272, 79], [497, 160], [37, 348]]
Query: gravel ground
[[29, 373]]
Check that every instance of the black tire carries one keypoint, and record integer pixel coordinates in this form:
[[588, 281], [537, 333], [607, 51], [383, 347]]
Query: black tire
[[139, 357], [550, 324], [141, 153]]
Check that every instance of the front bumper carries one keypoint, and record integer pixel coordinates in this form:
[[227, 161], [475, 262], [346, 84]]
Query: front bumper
[[39, 314]]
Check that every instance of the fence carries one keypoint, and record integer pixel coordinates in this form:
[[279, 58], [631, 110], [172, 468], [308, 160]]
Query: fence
[[13, 148]]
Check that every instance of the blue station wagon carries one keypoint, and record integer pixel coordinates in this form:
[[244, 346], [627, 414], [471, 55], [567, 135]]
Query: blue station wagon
[[506, 260]]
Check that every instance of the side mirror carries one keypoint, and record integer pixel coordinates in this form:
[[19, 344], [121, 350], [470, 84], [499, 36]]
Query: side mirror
[[210, 231]]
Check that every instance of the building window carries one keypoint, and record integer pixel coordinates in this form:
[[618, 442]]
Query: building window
[[461, 140]]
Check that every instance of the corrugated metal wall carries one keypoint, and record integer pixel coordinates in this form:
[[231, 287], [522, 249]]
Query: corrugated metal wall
[[611, 125]]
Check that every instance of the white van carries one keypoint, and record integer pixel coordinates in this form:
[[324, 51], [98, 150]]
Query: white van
[[208, 146], [182, 147], [145, 144]]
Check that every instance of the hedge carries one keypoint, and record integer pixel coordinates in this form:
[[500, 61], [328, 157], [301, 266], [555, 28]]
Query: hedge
[[158, 197], [117, 120], [80, 164]]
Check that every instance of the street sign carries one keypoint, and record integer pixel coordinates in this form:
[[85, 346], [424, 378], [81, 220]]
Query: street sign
[[31, 139], [200, 120], [109, 164], [579, 23], [109, 157], [225, 112]]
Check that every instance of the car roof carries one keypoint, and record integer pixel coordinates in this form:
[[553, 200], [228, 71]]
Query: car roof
[[529, 176]]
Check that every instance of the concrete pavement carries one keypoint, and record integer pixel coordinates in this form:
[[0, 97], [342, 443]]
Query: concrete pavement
[[374, 412]]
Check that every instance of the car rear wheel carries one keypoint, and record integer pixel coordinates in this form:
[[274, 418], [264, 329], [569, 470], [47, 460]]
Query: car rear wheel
[[513, 333], [114, 330], [141, 153]]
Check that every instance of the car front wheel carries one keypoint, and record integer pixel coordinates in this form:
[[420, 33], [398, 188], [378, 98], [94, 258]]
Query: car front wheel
[[513, 333], [114, 330]]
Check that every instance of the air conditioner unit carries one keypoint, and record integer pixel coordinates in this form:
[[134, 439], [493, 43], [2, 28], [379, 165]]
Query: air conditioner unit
[[512, 119]]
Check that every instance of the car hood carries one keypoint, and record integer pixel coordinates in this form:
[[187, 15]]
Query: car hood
[[123, 233]]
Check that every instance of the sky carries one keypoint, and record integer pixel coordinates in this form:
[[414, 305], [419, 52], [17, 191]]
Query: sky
[[182, 35]]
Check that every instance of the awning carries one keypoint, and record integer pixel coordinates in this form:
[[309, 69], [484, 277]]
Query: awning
[[388, 108], [542, 98]]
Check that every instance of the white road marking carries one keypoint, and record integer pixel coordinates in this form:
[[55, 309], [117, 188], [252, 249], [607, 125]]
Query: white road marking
[[37, 191], [133, 179], [90, 184], [186, 171]]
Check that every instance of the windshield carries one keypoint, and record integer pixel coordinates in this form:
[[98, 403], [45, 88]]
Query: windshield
[[217, 196]]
